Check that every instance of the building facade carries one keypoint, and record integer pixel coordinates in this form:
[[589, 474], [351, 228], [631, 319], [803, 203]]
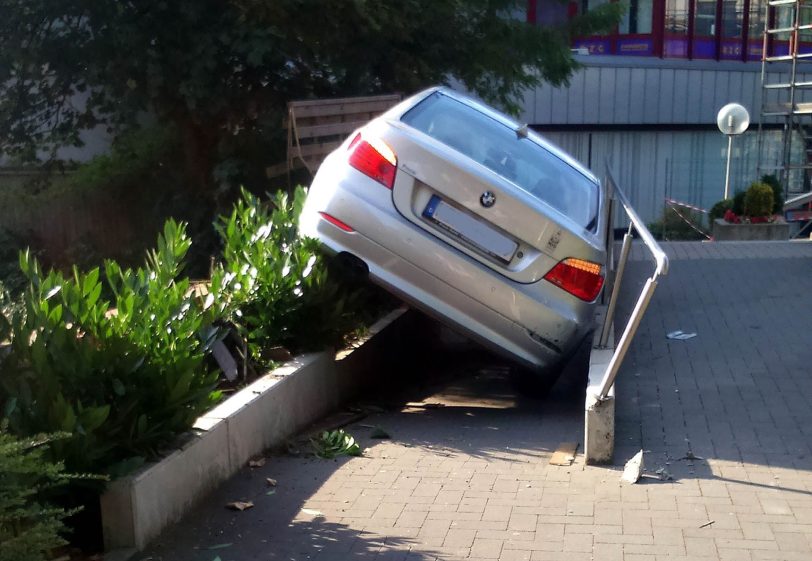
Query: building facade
[[646, 97]]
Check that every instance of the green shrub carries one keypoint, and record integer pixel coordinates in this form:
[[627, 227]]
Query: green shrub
[[719, 209], [778, 192], [126, 382], [275, 286], [758, 200], [673, 226], [738, 203], [30, 528], [135, 155], [12, 281]]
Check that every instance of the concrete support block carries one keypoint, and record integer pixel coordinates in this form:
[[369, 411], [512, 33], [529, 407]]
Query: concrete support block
[[599, 423], [599, 416]]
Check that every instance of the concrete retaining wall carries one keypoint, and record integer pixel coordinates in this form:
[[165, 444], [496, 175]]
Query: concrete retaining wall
[[136, 508], [726, 232]]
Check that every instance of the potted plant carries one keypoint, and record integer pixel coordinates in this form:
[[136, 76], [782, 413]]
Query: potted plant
[[751, 214]]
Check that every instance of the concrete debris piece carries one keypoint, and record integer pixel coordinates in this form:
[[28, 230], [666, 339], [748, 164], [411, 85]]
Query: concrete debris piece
[[240, 505], [634, 468], [680, 335], [225, 361], [564, 454], [664, 474]]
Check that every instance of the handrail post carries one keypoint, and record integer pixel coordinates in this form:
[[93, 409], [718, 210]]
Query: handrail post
[[626, 339], [599, 421], [621, 268]]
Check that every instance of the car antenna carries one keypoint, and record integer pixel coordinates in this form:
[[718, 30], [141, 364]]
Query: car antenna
[[522, 131]]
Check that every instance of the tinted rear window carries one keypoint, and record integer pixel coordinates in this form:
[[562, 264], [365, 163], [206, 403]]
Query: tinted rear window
[[521, 161]]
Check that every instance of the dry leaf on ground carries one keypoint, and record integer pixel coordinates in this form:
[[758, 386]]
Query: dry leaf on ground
[[240, 505]]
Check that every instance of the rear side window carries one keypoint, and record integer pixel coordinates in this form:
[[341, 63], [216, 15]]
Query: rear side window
[[521, 161]]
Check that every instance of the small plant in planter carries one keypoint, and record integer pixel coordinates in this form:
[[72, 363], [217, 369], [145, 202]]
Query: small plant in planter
[[751, 214], [274, 286], [758, 203], [754, 206], [117, 358]]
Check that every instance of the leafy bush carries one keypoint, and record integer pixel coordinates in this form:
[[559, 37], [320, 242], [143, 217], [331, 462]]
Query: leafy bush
[[124, 382], [12, 281], [758, 200], [29, 527], [275, 286], [676, 225], [136, 155], [778, 192], [738, 203]]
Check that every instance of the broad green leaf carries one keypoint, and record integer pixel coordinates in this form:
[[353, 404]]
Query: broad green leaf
[[94, 417], [118, 387], [90, 281]]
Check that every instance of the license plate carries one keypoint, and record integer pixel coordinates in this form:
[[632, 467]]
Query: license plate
[[469, 229]]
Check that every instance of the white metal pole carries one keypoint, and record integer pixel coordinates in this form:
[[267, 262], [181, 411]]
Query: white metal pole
[[727, 171]]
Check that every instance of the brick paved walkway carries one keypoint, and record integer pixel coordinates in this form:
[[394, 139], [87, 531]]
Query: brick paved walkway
[[466, 474]]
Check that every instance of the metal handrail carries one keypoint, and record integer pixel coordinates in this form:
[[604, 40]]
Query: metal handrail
[[661, 269]]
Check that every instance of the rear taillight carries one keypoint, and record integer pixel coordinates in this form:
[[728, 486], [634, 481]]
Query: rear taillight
[[374, 158], [580, 278]]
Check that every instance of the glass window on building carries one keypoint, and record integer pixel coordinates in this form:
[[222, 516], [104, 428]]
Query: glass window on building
[[785, 18], [598, 44], [637, 19], [705, 29], [805, 18], [758, 15], [732, 22], [587, 5], [634, 31], [675, 41], [732, 17]]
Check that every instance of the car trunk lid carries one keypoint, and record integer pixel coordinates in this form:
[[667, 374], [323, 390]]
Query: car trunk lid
[[481, 213]]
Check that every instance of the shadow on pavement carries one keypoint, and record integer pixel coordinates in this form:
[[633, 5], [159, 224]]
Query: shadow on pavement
[[447, 405]]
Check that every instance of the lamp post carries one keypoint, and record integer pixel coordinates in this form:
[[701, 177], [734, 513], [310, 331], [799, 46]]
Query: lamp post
[[732, 119]]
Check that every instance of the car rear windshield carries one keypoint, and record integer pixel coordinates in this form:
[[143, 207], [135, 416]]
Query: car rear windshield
[[520, 160]]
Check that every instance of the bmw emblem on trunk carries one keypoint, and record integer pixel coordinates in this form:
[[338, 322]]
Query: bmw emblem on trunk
[[487, 199]]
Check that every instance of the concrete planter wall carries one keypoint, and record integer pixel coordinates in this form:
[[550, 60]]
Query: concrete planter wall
[[136, 508], [726, 232]]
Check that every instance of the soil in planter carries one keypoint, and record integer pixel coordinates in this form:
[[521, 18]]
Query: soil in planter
[[84, 527]]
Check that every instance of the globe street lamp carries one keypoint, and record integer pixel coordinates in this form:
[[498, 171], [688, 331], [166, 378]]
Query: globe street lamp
[[732, 120]]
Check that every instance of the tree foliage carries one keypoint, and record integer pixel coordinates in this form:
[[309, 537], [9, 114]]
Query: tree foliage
[[218, 69]]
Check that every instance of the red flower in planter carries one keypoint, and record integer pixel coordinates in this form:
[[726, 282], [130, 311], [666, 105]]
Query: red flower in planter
[[731, 217]]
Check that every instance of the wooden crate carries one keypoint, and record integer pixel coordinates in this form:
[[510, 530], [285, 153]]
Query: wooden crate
[[317, 127]]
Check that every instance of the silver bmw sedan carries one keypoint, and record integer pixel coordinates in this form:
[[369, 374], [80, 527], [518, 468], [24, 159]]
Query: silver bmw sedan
[[472, 218]]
